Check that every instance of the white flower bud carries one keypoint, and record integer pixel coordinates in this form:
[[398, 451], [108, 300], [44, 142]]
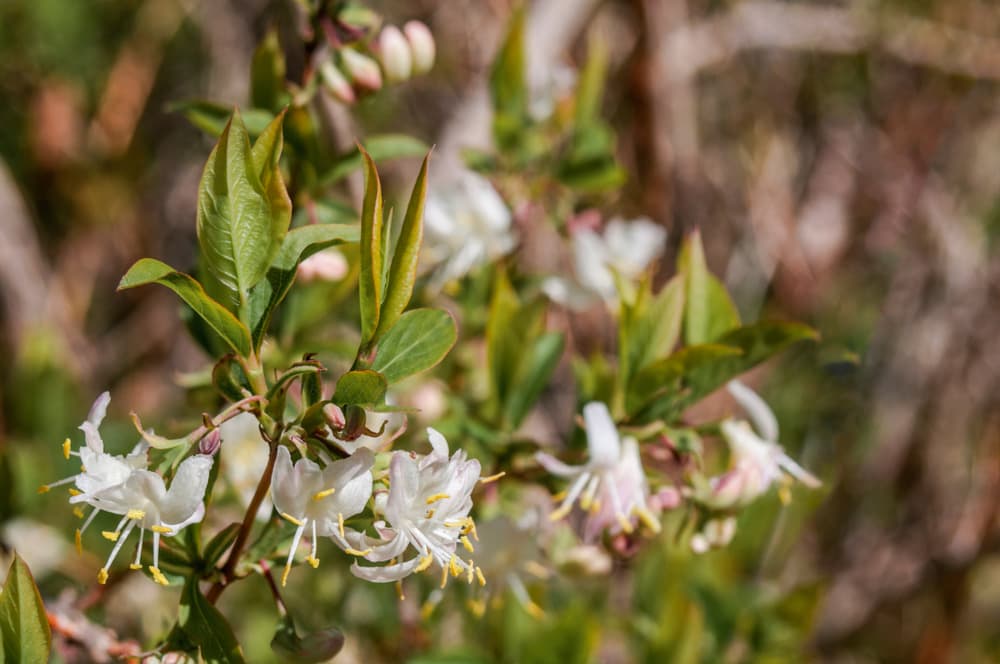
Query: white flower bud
[[362, 70], [394, 54], [421, 46], [336, 84]]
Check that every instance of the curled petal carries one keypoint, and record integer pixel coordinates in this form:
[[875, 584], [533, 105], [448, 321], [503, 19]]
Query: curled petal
[[557, 467], [385, 573], [756, 408]]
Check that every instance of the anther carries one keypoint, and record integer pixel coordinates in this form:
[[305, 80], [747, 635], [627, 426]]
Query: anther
[[102, 576], [320, 495], [65, 448], [291, 518], [467, 544], [492, 478], [436, 497], [158, 576]]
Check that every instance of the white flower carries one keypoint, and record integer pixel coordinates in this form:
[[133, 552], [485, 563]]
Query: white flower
[[758, 460], [625, 247], [430, 497], [715, 534], [244, 458], [611, 486], [320, 498], [466, 223], [144, 501], [99, 470]]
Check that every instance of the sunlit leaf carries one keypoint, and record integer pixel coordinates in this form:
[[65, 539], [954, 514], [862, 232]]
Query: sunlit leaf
[[418, 341], [360, 388], [24, 625], [372, 252], [211, 117], [381, 147], [709, 311]]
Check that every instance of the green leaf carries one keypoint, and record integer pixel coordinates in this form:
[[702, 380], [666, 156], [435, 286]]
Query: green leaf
[[508, 85], [360, 388], [420, 340], [591, 88], [372, 253], [709, 310], [298, 245], [218, 545], [207, 628], [656, 326], [381, 147], [535, 370], [267, 73], [24, 625], [149, 271], [312, 648], [403, 272], [243, 209], [211, 117]]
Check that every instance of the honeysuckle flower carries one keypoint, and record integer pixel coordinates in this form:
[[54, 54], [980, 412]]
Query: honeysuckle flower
[[244, 458], [715, 534], [320, 499], [144, 501], [99, 471], [758, 461], [611, 486], [427, 509], [466, 223], [625, 248], [422, 46]]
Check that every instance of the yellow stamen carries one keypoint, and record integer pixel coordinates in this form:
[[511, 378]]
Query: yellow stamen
[[429, 515], [647, 519], [135, 515], [784, 494], [102, 576], [595, 507], [78, 512], [559, 496], [427, 609], [340, 523], [453, 566], [436, 497], [560, 512], [312, 561], [284, 575], [534, 610], [355, 552], [44, 488], [320, 495], [78, 540], [467, 544], [444, 576], [111, 535], [399, 590], [66, 447], [75, 492], [291, 518], [158, 576], [135, 566], [424, 563], [470, 572], [478, 607], [536, 569], [624, 523], [586, 501], [471, 529], [479, 575], [161, 529], [492, 478]]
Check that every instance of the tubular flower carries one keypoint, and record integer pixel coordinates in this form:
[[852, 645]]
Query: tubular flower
[[100, 471], [143, 500], [430, 497], [758, 459], [611, 486], [319, 499]]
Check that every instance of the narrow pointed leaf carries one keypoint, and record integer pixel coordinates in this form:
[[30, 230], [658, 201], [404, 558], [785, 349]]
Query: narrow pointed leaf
[[420, 340], [207, 628], [535, 371], [24, 625], [403, 272], [224, 323], [381, 147], [267, 73], [709, 311], [372, 252]]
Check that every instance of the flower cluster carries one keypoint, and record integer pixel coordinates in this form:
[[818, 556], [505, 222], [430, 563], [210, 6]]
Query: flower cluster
[[122, 485]]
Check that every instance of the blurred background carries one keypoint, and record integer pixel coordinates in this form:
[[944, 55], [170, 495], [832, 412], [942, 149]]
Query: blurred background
[[842, 160]]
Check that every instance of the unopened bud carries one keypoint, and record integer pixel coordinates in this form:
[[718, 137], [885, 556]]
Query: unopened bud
[[394, 54], [362, 70], [421, 46], [210, 442], [336, 84], [326, 265], [334, 416]]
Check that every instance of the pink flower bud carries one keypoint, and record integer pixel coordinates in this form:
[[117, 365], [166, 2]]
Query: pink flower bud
[[421, 46], [394, 54], [336, 84], [210, 443], [362, 70], [334, 416], [327, 265]]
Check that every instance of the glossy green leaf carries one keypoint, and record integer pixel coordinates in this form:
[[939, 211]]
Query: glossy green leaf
[[403, 272], [709, 311], [298, 245], [418, 341], [207, 628], [372, 253], [243, 209], [536, 369], [267, 73], [212, 118], [224, 323], [381, 147], [360, 388], [310, 648], [24, 625]]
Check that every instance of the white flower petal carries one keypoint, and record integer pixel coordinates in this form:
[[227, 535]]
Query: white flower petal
[[385, 573], [756, 408], [602, 436], [99, 409], [438, 442], [186, 494]]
